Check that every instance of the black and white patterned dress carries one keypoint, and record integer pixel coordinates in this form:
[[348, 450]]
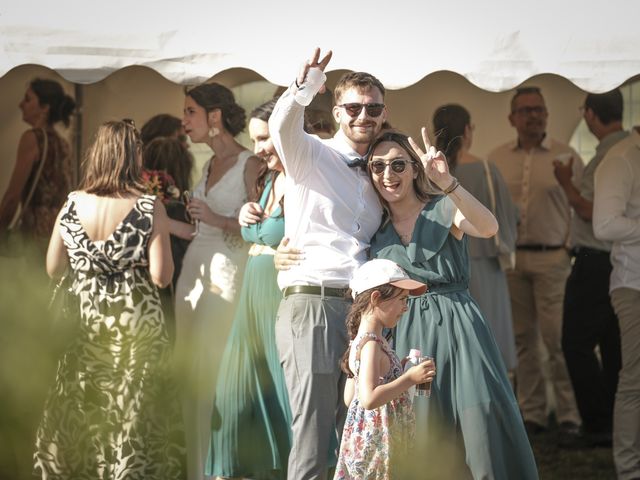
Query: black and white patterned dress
[[113, 412]]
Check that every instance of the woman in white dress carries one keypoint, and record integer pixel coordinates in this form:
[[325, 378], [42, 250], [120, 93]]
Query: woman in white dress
[[212, 266], [488, 282]]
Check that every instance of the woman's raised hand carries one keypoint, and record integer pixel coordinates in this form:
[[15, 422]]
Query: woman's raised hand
[[434, 162]]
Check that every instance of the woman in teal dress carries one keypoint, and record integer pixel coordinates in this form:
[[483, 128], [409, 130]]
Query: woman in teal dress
[[251, 435], [423, 231]]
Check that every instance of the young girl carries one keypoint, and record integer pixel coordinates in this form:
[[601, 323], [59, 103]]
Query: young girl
[[380, 420]]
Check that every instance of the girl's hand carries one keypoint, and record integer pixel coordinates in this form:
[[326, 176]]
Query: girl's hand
[[422, 373], [199, 210], [434, 162]]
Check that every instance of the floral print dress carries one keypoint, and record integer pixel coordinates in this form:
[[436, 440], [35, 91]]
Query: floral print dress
[[371, 439]]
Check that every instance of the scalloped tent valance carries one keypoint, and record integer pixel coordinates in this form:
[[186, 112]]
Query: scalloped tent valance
[[495, 44]]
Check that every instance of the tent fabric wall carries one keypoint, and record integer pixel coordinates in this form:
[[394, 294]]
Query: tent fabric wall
[[133, 57], [140, 93], [495, 44]]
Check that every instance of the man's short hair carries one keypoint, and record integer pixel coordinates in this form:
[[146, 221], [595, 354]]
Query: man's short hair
[[359, 80], [524, 91], [607, 106]]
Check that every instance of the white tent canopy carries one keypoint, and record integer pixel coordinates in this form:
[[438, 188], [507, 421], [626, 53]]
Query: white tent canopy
[[495, 44]]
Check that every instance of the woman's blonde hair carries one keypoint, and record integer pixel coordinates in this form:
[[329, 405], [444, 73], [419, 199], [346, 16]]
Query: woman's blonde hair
[[113, 162]]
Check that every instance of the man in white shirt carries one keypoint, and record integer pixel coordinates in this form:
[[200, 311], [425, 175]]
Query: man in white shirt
[[616, 218], [331, 212], [536, 285], [588, 319]]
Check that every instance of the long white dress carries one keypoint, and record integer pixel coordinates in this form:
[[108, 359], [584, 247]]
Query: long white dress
[[205, 303]]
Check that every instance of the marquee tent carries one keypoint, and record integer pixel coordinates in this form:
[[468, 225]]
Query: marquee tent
[[495, 44], [128, 58]]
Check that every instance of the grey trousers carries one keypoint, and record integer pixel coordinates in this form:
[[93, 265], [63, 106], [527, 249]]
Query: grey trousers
[[311, 336], [626, 415]]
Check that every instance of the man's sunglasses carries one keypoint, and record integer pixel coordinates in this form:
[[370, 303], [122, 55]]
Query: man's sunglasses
[[354, 109], [397, 166]]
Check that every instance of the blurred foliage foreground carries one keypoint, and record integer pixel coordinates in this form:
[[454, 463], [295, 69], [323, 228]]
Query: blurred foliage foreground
[[27, 362]]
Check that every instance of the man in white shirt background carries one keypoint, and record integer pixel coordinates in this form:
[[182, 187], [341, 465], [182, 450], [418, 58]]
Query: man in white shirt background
[[537, 283], [588, 318], [616, 218]]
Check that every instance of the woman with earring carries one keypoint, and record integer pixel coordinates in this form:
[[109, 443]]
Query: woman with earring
[[213, 264], [41, 177], [488, 281]]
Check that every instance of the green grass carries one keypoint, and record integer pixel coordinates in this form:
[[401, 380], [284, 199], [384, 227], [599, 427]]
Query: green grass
[[564, 464]]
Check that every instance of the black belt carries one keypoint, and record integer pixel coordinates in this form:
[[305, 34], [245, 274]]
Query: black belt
[[539, 248], [314, 290]]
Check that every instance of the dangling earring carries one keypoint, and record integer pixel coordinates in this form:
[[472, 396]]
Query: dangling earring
[[214, 132]]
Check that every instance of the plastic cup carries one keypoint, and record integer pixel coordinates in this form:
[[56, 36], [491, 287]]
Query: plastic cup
[[424, 389]]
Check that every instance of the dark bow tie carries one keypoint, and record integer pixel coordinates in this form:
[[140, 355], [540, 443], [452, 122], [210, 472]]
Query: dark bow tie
[[357, 162]]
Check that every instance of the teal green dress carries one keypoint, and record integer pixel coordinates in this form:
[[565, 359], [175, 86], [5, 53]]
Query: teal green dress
[[251, 433], [472, 403]]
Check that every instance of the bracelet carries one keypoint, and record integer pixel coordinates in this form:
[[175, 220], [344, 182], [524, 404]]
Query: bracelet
[[454, 184]]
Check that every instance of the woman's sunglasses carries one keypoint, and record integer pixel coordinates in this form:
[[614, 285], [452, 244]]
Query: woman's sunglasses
[[397, 166], [372, 109]]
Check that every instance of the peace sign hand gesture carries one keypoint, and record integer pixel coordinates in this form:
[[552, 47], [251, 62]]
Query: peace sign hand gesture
[[434, 162], [313, 62]]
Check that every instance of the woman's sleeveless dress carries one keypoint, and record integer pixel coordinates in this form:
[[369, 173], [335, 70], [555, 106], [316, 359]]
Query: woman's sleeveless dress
[[471, 397], [488, 282], [253, 438], [51, 191], [113, 412], [205, 303], [375, 442]]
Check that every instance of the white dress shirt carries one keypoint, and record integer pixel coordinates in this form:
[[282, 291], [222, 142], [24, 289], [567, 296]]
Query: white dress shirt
[[331, 210], [616, 210]]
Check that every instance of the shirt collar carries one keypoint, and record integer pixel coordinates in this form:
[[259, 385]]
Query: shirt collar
[[545, 145], [610, 140], [340, 143]]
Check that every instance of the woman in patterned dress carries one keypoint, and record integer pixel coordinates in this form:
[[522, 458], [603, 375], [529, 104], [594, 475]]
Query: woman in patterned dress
[[113, 412], [379, 426], [43, 107]]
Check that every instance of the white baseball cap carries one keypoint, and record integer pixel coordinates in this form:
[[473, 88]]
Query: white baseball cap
[[380, 272]]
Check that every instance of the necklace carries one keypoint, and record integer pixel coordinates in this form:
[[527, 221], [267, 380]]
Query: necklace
[[404, 226]]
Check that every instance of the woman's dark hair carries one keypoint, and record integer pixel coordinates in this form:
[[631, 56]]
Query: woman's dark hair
[[112, 163], [421, 184], [50, 92], [360, 305], [263, 112], [211, 96], [171, 156], [162, 125], [449, 124]]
